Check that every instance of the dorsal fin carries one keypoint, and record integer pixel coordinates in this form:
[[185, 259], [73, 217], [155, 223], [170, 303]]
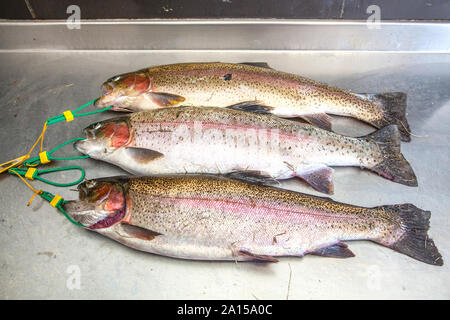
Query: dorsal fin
[[257, 64]]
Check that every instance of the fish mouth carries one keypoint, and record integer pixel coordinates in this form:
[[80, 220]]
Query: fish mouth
[[80, 146], [81, 212], [98, 103], [120, 108], [92, 148], [101, 203], [104, 102], [73, 207]]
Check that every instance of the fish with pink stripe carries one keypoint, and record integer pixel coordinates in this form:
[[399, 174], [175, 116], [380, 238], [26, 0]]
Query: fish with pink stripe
[[253, 146], [217, 218], [253, 87]]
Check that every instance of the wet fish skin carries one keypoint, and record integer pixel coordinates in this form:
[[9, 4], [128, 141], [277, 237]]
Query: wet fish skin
[[225, 84], [221, 141], [215, 218]]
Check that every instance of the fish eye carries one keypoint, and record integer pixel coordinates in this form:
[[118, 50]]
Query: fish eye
[[90, 183]]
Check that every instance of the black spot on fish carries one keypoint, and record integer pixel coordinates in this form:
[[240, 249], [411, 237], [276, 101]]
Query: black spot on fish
[[227, 77]]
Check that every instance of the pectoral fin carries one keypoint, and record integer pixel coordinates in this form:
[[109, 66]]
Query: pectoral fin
[[142, 155], [321, 120], [320, 178], [257, 257], [165, 99], [251, 106], [138, 232], [339, 250]]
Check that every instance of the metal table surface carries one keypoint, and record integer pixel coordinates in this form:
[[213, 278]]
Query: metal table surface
[[42, 252]]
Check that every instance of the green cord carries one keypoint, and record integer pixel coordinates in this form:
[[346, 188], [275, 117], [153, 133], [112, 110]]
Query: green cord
[[37, 173], [49, 197], [36, 160], [33, 162], [61, 117], [56, 184]]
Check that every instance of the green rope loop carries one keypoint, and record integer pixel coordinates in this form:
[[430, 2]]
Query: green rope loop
[[35, 161], [49, 197], [75, 113], [57, 184], [37, 173]]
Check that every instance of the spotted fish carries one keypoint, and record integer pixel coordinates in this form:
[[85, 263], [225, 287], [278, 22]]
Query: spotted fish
[[216, 218], [250, 88], [253, 146]]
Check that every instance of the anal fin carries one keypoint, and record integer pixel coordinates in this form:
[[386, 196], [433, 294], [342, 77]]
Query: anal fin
[[321, 120], [252, 176], [320, 178], [257, 257], [338, 250]]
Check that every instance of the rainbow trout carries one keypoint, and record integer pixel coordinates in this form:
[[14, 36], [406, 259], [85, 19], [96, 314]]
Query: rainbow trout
[[253, 146], [250, 88], [216, 218]]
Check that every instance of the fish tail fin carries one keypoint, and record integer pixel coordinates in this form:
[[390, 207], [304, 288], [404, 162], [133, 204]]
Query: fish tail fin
[[414, 223], [393, 106], [393, 165]]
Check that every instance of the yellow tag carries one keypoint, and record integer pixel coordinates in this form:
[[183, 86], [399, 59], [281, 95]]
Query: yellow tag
[[68, 115], [29, 174], [43, 157], [55, 201]]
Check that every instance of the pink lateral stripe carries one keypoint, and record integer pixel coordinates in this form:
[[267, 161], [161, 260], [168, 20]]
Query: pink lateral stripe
[[242, 208]]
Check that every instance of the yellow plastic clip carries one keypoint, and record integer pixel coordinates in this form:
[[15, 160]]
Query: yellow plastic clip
[[43, 157], [68, 115], [55, 201], [30, 173]]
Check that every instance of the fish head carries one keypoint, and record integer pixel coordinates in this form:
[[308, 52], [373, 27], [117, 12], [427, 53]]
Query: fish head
[[104, 138], [101, 204], [123, 92]]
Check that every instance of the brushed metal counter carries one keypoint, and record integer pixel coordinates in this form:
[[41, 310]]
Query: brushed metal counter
[[41, 251]]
